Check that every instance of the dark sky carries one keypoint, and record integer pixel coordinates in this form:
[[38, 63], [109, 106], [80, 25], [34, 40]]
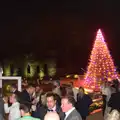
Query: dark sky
[[62, 29]]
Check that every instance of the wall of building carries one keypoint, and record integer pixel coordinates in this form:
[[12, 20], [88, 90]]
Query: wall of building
[[30, 68]]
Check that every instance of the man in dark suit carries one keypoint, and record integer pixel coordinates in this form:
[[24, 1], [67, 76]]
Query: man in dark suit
[[67, 105], [51, 107], [26, 95]]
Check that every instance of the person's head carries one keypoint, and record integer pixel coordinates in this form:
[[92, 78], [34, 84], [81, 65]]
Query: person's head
[[71, 84], [56, 83], [116, 82], [26, 81], [67, 103], [105, 83], [42, 99], [51, 100], [30, 89], [13, 87], [69, 91], [25, 109], [81, 90], [51, 116], [37, 88], [108, 84], [13, 98], [116, 85]]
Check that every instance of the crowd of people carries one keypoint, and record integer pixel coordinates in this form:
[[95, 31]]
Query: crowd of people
[[33, 103], [111, 100], [60, 103]]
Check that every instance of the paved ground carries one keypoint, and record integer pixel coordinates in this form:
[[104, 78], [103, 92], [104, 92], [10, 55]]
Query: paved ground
[[96, 116]]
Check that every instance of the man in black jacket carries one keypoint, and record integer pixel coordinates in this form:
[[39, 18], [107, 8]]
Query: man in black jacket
[[26, 95], [51, 107]]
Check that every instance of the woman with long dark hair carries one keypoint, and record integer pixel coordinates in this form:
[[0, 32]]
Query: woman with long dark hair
[[40, 107]]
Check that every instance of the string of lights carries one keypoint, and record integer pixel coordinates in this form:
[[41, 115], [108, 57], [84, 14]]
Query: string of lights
[[101, 64]]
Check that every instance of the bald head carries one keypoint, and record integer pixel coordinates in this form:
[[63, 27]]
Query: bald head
[[51, 116]]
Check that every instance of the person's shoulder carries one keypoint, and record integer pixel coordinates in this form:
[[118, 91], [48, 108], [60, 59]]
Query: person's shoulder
[[115, 94], [28, 119], [75, 112], [75, 89], [76, 115], [24, 91], [1, 117], [20, 119], [32, 118], [86, 96], [35, 118]]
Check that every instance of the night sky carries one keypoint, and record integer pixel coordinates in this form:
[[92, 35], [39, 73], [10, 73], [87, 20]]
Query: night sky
[[60, 29]]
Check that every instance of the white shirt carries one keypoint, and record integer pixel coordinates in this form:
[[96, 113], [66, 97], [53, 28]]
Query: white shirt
[[13, 110], [54, 108], [68, 112]]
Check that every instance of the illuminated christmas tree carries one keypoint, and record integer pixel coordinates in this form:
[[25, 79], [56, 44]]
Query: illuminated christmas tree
[[101, 65]]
